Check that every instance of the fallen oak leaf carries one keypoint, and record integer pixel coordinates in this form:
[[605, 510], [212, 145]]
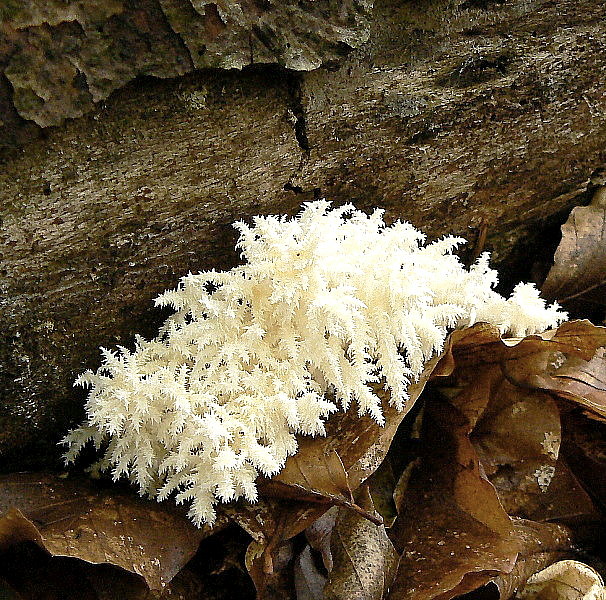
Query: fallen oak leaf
[[78, 518]]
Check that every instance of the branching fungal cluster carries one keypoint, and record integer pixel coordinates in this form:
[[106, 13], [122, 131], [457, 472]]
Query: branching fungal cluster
[[324, 304]]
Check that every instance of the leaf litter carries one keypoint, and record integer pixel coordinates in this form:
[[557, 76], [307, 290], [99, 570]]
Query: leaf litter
[[490, 485]]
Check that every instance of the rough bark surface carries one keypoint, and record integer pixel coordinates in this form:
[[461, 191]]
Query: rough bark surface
[[61, 57], [459, 115]]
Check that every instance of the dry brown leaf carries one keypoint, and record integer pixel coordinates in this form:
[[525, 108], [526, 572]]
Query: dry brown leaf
[[580, 381], [452, 531], [323, 479], [482, 344], [449, 545], [518, 440], [364, 559], [78, 518], [579, 270], [516, 427]]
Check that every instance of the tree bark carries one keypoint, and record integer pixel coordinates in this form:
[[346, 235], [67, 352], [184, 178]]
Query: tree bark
[[461, 116]]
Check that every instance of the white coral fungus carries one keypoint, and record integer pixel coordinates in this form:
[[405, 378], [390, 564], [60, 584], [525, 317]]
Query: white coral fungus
[[324, 304]]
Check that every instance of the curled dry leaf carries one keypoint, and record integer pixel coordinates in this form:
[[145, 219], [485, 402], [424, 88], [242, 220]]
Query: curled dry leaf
[[452, 529], [578, 275], [580, 381], [516, 425], [569, 361], [565, 580], [77, 518], [517, 434], [364, 559]]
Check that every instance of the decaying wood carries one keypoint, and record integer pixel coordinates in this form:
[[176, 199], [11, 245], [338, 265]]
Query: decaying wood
[[456, 115]]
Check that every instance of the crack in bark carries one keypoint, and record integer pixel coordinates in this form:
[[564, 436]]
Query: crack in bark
[[294, 87], [294, 83]]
